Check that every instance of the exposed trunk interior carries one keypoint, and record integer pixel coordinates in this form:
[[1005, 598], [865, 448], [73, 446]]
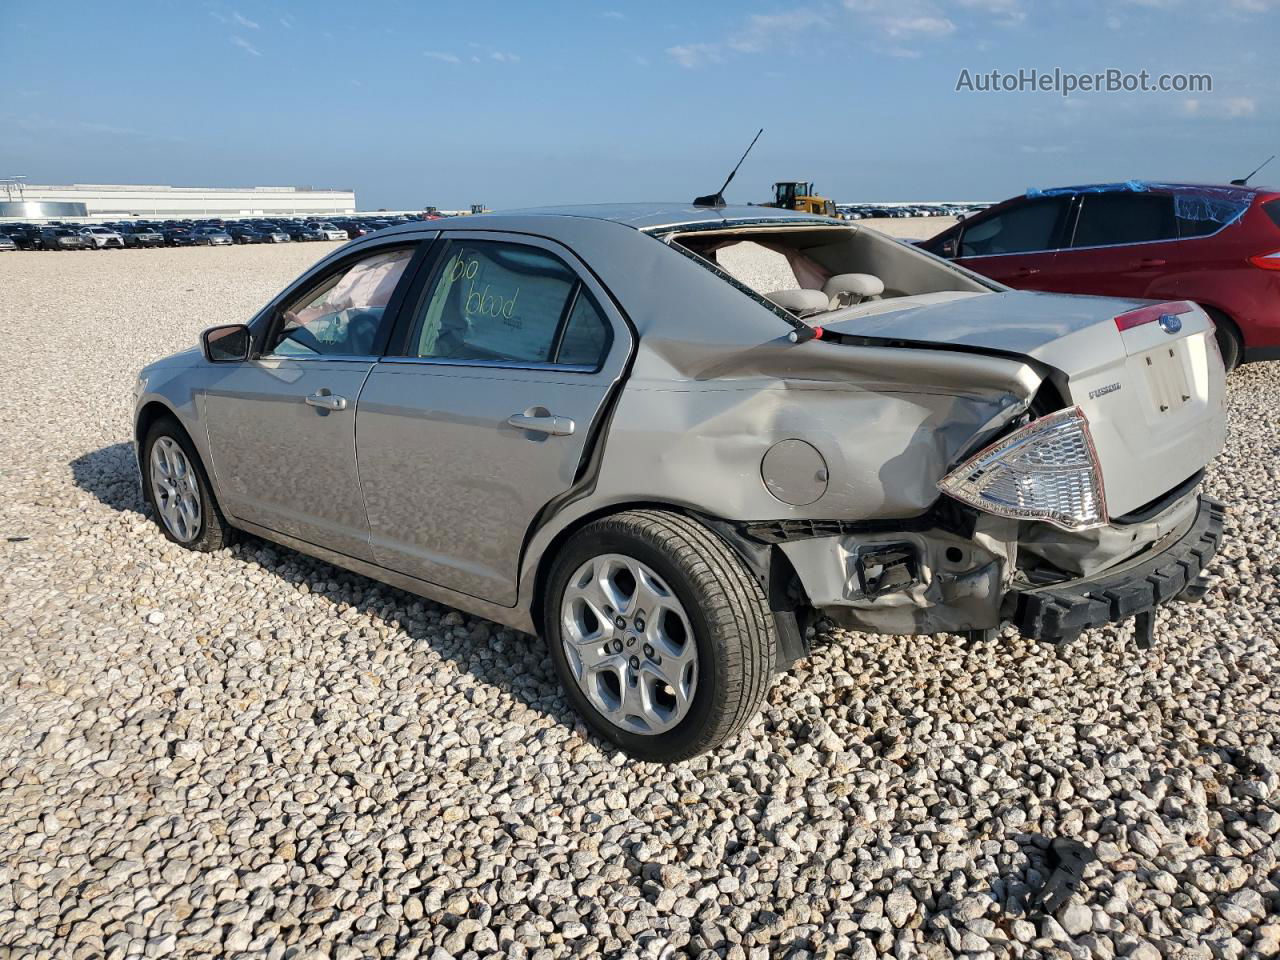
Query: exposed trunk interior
[[819, 259]]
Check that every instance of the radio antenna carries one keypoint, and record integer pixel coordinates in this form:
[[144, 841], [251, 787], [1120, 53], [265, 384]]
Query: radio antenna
[[1234, 183], [717, 199]]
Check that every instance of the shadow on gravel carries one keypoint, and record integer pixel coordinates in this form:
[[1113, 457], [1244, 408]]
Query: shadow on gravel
[[514, 661], [111, 475]]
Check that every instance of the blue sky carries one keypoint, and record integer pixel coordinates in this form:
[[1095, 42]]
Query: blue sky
[[510, 104]]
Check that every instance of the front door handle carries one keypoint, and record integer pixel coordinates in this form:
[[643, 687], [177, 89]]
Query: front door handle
[[327, 401], [1151, 262], [550, 424], [1026, 271]]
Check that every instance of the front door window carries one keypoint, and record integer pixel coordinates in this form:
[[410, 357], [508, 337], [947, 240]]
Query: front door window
[[342, 317], [1026, 228]]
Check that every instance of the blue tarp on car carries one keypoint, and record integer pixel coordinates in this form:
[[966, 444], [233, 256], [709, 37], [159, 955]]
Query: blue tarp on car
[[1224, 205]]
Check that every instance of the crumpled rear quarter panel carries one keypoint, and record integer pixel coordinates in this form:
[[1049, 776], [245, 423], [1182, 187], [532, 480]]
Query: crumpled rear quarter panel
[[700, 443]]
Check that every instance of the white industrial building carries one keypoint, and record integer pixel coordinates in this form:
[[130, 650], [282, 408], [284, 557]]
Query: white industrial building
[[119, 201]]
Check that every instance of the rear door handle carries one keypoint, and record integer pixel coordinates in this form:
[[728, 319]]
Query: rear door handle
[[1151, 262], [327, 401], [1026, 271], [550, 424]]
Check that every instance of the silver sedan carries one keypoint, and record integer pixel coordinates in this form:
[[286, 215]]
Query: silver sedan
[[581, 423]]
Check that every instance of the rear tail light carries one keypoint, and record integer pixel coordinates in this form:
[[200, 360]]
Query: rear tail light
[[1136, 318], [1047, 470], [1267, 261]]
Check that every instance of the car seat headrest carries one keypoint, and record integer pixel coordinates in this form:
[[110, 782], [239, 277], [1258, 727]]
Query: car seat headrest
[[801, 302], [845, 289]]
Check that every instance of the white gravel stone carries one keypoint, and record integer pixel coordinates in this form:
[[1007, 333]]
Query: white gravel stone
[[255, 754], [1076, 919]]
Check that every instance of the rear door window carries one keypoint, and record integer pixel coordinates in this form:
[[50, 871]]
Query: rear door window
[[586, 334], [1028, 227], [1108, 219], [508, 303]]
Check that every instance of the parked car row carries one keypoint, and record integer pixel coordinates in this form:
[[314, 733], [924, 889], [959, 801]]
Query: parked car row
[[120, 235], [869, 211]]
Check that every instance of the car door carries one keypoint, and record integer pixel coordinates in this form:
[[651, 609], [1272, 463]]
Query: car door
[[282, 424], [504, 363], [1123, 244], [1017, 243]]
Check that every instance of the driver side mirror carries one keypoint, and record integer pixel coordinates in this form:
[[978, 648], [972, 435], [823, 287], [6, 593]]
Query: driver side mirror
[[226, 344]]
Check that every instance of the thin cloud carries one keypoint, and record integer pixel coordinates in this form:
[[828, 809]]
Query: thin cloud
[[442, 56], [1229, 108], [1007, 13], [769, 30], [895, 26], [918, 26], [45, 125], [502, 57], [758, 33], [241, 20], [246, 46], [613, 14], [692, 55], [286, 22], [903, 18], [935, 19]]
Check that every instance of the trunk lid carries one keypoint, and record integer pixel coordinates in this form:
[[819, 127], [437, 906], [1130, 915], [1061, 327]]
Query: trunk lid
[[1154, 394]]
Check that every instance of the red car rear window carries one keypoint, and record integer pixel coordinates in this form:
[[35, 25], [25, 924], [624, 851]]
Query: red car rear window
[[1273, 210]]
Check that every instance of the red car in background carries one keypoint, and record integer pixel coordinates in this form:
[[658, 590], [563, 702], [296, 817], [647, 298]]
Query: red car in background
[[1218, 246]]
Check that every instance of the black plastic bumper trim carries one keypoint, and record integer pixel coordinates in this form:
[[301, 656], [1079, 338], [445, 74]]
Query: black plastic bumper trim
[[1060, 613]]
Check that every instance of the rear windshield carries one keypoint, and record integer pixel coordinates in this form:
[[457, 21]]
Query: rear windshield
[[1273, 210]]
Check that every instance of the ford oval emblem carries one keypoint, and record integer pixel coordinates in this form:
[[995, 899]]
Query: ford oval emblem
[[1170, 322]]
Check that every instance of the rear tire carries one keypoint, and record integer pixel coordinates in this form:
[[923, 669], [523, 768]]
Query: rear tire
[[708, 622], [1230, 344]]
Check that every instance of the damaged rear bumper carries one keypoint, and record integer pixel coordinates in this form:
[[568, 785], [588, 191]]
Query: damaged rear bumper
[[1059, 613], [960, 571]]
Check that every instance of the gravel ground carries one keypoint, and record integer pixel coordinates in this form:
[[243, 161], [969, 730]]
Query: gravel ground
[[254, 754]]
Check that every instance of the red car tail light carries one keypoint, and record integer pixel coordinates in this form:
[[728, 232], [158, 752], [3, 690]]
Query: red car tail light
[[1136, 318], [1267, 261]]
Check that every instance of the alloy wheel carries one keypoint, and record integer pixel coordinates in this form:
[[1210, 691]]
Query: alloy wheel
[[629, 644], [175, 489]]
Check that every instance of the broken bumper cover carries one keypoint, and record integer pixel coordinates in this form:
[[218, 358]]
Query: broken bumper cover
[[1059, 613]]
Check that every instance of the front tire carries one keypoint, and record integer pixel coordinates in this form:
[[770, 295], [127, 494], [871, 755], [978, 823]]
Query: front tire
[[174, 482], [661, 637]]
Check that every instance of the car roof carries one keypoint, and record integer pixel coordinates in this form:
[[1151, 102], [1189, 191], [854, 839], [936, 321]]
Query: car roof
[[1142, 186], [640, 216]]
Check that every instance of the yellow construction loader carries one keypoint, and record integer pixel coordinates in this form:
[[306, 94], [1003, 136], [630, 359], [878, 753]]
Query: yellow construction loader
[[801, 195]]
